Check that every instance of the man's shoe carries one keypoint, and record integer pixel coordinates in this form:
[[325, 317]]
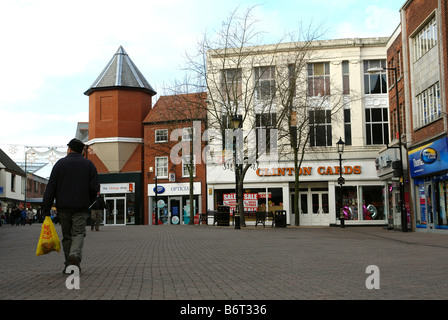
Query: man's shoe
[[65, 270], [75, 261]]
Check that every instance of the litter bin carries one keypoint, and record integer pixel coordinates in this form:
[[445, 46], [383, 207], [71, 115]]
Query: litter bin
[[223, 216], [280, 218]]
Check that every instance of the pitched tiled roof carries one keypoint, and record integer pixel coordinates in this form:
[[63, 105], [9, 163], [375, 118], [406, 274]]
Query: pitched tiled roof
[[120, 72], [9, 164], [191, 106]]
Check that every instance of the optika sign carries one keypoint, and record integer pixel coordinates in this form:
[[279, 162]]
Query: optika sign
[[307, 171]]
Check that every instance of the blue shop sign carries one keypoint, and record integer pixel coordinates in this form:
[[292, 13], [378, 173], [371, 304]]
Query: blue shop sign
[[160, 189], [429, 159]]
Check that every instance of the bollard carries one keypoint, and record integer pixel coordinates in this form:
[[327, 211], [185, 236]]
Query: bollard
[[237, 221]]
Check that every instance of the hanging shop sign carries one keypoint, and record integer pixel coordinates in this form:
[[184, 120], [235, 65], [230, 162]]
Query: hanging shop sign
[[307, 171], [430, 158], [117, 188]]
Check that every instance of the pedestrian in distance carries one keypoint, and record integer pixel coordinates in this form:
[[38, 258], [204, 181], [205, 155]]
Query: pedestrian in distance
[[97, 213], [74, 185], [15, 216]]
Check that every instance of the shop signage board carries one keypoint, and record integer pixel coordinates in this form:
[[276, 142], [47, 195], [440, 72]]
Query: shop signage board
[[429, 159], [108, 188]]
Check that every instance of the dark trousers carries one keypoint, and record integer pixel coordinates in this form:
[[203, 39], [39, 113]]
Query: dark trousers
[[73, 226]]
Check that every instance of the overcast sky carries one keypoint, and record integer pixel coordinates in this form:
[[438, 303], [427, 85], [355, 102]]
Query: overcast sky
[[53, 50]]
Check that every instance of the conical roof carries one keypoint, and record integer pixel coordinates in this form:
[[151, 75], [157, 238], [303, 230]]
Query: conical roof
[[120, 72]]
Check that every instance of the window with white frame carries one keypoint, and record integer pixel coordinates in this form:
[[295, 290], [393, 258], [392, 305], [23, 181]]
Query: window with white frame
[[345, 77], [425, 39], [264, 83], [375, 83], [377, 125], [231, 84], [161, 135], [318, 79], [429, 106], [187, 134], [162, 167], [320, 128], [266, 122], [185, 165]]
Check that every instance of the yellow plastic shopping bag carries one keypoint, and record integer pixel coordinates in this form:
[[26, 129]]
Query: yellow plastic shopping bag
[[49, 240]]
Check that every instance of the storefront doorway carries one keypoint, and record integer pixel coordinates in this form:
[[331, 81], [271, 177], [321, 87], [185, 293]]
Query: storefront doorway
[[314, 208], [175, 209], [320, 208], [115, 211]]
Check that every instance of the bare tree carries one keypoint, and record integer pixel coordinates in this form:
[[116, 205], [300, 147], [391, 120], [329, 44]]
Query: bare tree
[[267, 87]]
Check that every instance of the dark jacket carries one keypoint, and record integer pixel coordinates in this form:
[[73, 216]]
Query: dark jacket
[[73, 183], [99, 204]]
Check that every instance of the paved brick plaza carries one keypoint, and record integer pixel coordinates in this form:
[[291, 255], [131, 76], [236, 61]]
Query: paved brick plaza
[[221, 263]]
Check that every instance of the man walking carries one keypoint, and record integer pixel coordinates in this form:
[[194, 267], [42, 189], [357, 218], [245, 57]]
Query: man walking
[[74, 184], [97, 213]]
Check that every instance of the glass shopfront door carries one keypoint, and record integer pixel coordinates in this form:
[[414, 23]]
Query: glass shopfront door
[[115, 211], [175, 210], [320, 209], [314, 208]]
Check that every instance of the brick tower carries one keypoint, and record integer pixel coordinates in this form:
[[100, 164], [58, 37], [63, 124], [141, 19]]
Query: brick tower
[[119, 100]]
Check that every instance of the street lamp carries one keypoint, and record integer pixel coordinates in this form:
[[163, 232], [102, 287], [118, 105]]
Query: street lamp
[[151, 170], [404, 223], [237, 120], [341, 181]]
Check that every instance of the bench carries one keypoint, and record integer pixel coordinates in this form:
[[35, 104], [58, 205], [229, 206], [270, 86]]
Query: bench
[[212, 213]]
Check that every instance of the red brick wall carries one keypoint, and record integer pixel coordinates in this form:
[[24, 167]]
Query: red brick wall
[[118, 113], [153, 150], [395, 60]]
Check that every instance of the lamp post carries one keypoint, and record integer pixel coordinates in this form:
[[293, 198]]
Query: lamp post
[[236, 124], [156, 214], [341, 181], [404, 223]]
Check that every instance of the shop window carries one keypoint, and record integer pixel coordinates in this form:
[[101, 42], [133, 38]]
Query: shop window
[[261, 199], [441, 204], [349, 197], [372, 202]]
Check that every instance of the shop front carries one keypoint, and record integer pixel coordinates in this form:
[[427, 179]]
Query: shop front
[[122, 195], [120, 203], [172, 203], [388, 169], [270, 189], [428, 167]]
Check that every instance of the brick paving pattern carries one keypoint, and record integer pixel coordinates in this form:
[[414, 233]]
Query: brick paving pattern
[[221, 263]]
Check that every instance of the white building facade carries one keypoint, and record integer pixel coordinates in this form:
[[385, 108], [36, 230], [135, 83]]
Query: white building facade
[[339, 99]]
